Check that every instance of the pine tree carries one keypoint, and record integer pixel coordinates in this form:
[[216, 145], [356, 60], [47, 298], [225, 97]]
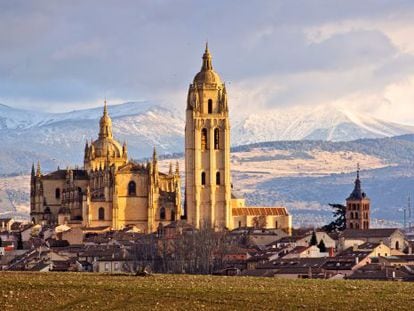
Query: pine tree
[[339, 223], [313, 240], [322, 246]]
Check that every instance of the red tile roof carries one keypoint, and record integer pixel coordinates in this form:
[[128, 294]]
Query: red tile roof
[[260, 211]]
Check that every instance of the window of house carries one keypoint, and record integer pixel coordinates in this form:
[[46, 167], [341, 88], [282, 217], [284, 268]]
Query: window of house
[[116, 266], [162, 213], [57, 193], [106, 266], [397, 245], [203, 178], [210, 106], [101, 213], [204, 139], [132, 188], [216, 139], [218, 178]]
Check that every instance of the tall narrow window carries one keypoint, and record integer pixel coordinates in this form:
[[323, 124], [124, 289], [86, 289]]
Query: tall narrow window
[[162, 213], [218, 178], [101, 213], [204, 139], [132, 188], [57, 193], [203, 178], [210, 106], [216, 139], [172, 215]]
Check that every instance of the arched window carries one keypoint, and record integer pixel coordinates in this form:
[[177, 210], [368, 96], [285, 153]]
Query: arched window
[[356, 215], [218, 178], [57, 193], [210, 106], [132, 188], [101, 213], [216, 139], [203, 139], [203, 178], [357, 226], [397, 245], [162, 213], [351, 225], [352, 215]]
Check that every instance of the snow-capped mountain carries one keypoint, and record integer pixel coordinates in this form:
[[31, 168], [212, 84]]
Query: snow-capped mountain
[[59, 138], [320, 123]]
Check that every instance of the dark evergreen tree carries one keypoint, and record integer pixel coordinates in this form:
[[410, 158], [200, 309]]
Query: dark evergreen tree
[[314, 240], [339, 222], [19, 242], [322, 246]]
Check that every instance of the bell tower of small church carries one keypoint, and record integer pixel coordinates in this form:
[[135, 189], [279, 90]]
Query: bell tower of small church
[[358, 207], [207, 150]]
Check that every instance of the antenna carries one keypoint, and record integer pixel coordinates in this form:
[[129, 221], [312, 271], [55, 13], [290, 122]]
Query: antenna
[[409, 210]]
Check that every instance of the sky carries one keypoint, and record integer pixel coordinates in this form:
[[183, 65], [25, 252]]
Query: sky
[[63, 55]]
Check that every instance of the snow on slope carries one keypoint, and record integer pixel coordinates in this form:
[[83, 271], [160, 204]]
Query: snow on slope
[[321, 123], [59, 138]]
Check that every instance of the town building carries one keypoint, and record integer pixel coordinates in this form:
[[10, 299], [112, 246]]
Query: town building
[[209, 200], [358, 207], [109, 191]]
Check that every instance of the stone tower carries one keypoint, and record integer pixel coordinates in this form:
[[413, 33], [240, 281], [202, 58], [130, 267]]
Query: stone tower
[[207, 150], [357, 207]]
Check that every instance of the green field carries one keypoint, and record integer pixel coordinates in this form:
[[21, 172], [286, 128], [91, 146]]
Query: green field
[[76, 291]]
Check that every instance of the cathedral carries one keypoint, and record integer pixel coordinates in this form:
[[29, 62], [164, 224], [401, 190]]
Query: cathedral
[[111, 191]]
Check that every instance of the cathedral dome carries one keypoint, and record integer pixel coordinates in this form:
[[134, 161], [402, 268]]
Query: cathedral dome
[[207, 75], [107, 146]]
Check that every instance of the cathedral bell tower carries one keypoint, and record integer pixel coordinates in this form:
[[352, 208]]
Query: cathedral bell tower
[[358, 207], [207, 150]]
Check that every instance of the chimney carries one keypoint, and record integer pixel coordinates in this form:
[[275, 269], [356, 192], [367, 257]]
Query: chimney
[[331, 252]]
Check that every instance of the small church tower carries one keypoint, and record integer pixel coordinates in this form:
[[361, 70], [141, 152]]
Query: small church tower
[[357, 207], [207, 150]]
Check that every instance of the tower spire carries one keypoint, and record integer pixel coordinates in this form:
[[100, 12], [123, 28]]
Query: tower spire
[[38, 171], [105, 124], [358, 169], [207, 64]]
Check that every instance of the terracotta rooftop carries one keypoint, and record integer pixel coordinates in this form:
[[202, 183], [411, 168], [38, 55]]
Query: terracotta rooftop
[[260, 211]]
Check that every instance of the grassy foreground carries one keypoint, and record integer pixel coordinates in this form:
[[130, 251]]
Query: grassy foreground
[[76, 291]]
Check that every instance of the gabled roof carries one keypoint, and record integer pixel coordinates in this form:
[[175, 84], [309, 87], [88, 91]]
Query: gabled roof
[[368, 233]]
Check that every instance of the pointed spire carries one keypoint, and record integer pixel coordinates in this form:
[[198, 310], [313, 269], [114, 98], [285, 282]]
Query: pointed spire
[[358, 169], [33, 170], [38, 171], [357, 193], [105, 108], [170, 171], [207, 65], [105, 124], [177, 168], [154, 155]]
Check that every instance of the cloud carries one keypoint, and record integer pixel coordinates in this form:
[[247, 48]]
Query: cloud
[[66, 55]]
